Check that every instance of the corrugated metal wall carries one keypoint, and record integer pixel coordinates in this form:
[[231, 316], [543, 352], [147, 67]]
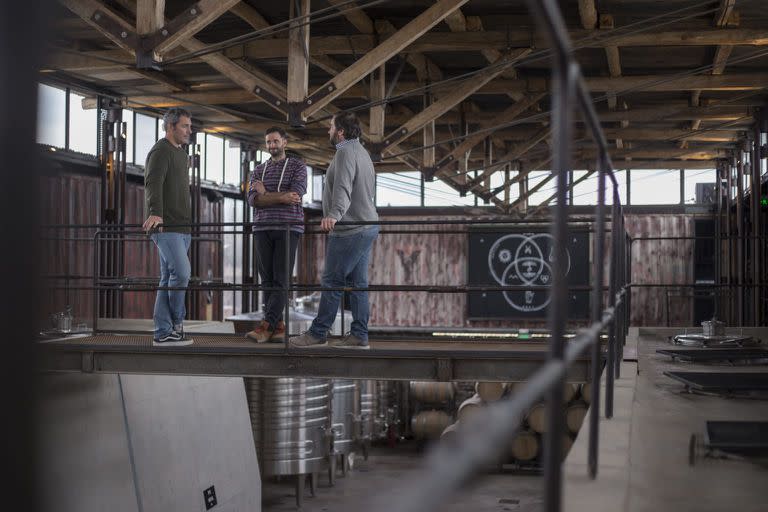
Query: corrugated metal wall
[[75, 199], [441, 259]]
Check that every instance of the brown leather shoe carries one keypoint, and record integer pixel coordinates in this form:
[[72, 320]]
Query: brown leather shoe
[[262, 333], [279, 333]]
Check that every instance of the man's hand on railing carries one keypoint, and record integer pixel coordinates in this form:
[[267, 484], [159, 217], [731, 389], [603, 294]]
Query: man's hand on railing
[[327, 223], [153, 222]]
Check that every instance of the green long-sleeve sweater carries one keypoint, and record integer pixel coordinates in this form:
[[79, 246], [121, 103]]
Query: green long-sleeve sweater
[[166, 185]]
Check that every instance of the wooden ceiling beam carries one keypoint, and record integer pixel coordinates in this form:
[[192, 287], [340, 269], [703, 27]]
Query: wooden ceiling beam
[[588, 14], [356, 16], [471, 141], [451, 98], [298, 51], [360, 44], [379, 55], [426, 70], [99, 16], [203, 13]]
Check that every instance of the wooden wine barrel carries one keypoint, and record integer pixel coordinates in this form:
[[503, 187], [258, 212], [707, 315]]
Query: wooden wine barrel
[[574, 415], [567, 443], [569, 390], [450, 432], [469, 406], [525, 445], [490, 391], [586, 392], [432, 392], [429, 424], [536, 418]]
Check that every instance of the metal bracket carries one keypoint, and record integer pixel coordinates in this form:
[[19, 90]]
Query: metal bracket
[[319, 94], [295, 119], [88, 363], [269, 98], [429, 173], [105, 21], [444, 370], [150, 42], [375, 148], [145, 59], [396, 137]]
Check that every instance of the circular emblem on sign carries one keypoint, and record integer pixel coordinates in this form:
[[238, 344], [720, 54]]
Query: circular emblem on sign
[[524, 259]]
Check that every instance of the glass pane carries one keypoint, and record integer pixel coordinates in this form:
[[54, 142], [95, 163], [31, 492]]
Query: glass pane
[[145, 137], [214, 158], [543, 193], [51, 115], [160, 129], [585, 193], [229, 256], [238, 302], [200, 141], [652, 186], [82, 126], [310, 183], [129, 134], [437, 193], [398, 189], [232, 163], [694, 176], [317, 187]]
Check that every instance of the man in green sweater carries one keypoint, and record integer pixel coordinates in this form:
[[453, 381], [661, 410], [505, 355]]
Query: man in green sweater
[[167, 202]]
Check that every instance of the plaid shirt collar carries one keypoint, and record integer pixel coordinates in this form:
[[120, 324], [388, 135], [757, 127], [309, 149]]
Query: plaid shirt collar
[[346, 141]]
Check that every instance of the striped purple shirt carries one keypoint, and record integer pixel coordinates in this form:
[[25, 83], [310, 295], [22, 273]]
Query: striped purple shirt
[[279, 176]]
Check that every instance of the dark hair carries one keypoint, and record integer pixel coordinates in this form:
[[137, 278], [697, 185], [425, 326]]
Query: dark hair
[[348, 122], [276, 129], [173, 115]]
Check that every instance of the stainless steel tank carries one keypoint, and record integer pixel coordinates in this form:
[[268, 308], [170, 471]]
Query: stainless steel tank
[[387, 407], [368, 408], [345, 413], [291, 424]]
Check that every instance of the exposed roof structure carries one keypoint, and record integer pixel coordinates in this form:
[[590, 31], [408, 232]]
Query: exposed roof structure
[[442, 86]]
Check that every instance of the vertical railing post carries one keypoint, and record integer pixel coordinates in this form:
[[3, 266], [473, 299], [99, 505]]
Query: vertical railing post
[[564, 77], [612, 290], [286, 284], [597, 310]]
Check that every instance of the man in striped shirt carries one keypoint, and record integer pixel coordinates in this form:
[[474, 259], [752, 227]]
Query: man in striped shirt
[[274, 191]]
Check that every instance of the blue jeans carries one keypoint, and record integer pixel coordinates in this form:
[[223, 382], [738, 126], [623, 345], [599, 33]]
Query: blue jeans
[[174, 271], [346, 264]]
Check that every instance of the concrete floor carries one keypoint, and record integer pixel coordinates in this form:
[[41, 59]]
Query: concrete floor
[[387, 469], [644, 448]]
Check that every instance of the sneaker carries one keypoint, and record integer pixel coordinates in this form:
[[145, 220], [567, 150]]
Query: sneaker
[[350, 341], [172, 339], [306, 340], [262, 333]]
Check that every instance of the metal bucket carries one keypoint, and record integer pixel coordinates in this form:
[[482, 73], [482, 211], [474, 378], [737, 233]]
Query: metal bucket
[[345, 411], [290, 419]]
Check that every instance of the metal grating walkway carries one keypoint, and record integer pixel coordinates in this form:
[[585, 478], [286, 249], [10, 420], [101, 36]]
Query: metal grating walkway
[[233, 355]]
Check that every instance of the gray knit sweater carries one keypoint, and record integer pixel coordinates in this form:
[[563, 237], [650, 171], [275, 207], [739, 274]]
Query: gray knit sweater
[[350, 185]]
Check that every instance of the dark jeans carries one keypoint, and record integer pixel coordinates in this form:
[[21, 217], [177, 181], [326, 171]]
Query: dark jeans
[[346, 264], [270, 257]]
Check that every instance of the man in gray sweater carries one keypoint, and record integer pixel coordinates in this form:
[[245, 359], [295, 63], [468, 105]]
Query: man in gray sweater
[[350, 185]]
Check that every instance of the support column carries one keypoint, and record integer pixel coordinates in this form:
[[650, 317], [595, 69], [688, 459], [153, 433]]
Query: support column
[[298, 61]]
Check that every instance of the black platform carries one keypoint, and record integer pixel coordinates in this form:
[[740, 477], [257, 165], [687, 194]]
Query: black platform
[[719, 382], [734, 356], [742, 437]]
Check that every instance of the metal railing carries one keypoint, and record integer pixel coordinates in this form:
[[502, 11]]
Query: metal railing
[[476, 443]]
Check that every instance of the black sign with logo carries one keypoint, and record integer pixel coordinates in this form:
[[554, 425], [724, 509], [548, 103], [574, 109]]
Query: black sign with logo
[[524, 258]]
